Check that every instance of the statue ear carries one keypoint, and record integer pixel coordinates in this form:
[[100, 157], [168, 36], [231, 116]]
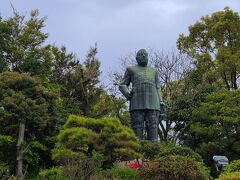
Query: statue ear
[[138, 59]]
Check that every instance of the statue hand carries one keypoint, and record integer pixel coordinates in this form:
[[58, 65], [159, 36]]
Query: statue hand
[[162, 104], [163, 107], [129, 97]]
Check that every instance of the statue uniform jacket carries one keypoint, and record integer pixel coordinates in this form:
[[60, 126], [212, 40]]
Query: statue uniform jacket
[[145, 92]]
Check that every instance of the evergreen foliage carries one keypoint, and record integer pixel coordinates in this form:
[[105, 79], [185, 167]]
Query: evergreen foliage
[[24, 99], [120, 173], [217, 120], [42, 84], [174, 167], [214, 43], [53, 174], [105, 136], [232, 171]]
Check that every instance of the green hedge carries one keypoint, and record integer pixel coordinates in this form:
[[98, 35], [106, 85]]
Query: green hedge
[[230, 176], [173, 167], [55, 173], [232, 171], [118, 173], [156, 150]]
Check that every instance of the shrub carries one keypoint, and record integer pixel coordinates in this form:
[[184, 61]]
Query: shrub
[[155, 150], [233, 166], [208, 150], [149, 149], [76, 164], [173, 167], [119, 173], [167, 149], [4, 171], [230, 176], [53, 174], [232, 171], [105, 136], [125, 173]]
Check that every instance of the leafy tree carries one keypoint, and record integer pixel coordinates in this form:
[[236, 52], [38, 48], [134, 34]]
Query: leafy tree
[[29, 109], [7, 152], [5, 32], [210, 114], [104, 136], [62, 64], [190, 92], [214, 43], [84, 80], [105, 106], [82, 91], [217, 120], [23, 48]]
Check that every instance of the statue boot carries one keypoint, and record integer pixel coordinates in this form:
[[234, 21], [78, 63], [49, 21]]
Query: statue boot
[[138, 132], [152, 134], [152, 125]]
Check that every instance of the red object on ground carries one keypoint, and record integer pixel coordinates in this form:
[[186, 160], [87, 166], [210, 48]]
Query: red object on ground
[[135, 165]]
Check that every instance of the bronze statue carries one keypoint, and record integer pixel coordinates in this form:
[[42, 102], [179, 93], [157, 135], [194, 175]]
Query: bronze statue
[[145, 97]]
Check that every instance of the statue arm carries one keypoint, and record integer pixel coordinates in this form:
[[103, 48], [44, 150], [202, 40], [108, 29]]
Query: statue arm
[[123, 87], [158, 89], [163, 107]]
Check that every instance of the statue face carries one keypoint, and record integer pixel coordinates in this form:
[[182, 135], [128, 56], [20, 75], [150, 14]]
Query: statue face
[[142, 57]]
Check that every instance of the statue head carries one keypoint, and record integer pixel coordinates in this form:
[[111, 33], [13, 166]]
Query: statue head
[[142, 57]]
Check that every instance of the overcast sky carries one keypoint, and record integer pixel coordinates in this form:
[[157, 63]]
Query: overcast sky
[[118, 26]]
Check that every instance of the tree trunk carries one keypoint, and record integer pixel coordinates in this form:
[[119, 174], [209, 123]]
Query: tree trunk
[[20, 151], [226, 81], [235, 85]]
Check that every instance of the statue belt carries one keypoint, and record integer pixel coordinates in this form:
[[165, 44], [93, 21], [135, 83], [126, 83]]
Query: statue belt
[[142, 83]]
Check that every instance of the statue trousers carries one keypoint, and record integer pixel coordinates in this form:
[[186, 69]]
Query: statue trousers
[[147, 118]]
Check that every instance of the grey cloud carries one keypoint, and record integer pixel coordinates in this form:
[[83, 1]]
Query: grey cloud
[[119, 27]]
